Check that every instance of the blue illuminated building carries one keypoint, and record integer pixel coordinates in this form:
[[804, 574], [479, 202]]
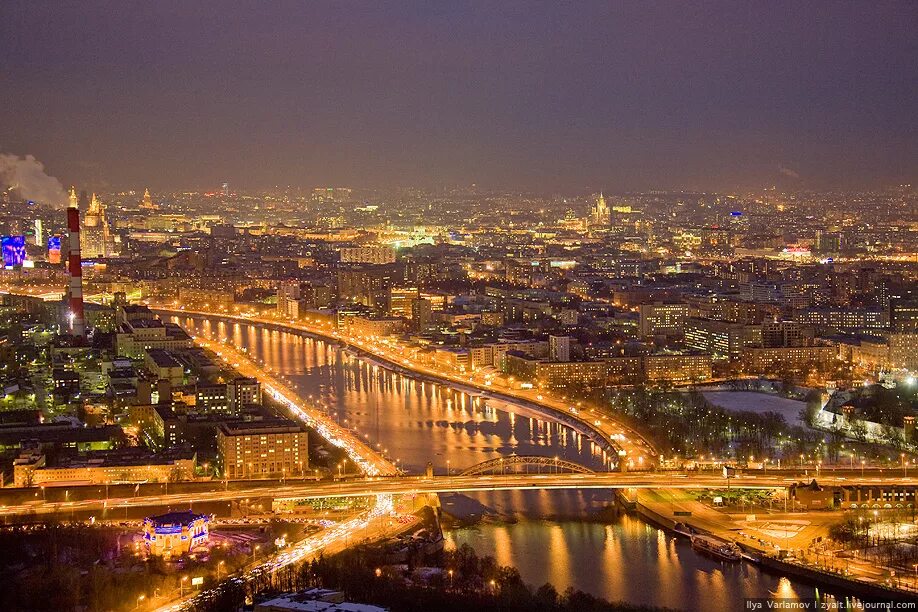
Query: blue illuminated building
[[175, 533], [14, 251]]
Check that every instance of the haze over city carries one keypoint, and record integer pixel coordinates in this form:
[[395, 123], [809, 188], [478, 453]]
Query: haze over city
[[525, 96], [505, 307]]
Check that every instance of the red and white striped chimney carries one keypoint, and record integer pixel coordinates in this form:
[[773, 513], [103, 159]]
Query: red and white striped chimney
[[77, 320]]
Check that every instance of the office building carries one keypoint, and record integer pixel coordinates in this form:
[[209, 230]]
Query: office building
[[241, 392], [368, 255], [559, 348], [265, 449], [663, 318], [677, 368]]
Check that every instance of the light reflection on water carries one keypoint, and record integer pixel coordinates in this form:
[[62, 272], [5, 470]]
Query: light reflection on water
[[417, 421], [625, 560], [619, 558]]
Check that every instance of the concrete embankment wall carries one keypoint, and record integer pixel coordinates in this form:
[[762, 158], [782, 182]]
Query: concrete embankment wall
[[652, 517], [581, 426], [858, 588]]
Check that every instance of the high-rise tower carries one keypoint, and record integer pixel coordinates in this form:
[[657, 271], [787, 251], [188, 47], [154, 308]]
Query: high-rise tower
[[74, 267], [147, 203], [600, 215], [96, 236]]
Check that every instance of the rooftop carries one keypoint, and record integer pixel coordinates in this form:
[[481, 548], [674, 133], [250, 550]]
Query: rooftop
[[182, 517], [273, 426]]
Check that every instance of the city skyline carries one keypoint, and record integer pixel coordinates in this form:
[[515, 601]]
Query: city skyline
[[508, 306], [716, 97]]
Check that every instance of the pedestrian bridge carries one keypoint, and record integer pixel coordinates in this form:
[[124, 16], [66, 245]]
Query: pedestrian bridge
[[526, 464]]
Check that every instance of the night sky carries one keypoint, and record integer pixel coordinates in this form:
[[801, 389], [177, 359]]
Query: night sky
[[533, 96]]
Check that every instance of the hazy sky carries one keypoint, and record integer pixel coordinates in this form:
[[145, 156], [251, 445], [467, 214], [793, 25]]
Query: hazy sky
[[541, 96]]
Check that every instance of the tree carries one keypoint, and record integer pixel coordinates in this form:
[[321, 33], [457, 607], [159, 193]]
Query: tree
[[859, 430]]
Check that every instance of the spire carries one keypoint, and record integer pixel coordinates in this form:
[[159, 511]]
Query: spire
[[74, 200]]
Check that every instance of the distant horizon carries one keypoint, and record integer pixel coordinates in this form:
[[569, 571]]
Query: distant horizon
[[581, 192], [720, 96]]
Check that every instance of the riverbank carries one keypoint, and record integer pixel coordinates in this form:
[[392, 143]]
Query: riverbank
[[619, 557], [672, 511], [610, 436]]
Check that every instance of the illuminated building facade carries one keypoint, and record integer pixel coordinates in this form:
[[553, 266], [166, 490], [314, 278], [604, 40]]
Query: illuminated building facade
[[776, 361], [677, 367], [600, 215], [108, 467], [401, 300], [14, 251], [559, 348], [264, 449], [663, 318], [147, 203], [175, 533], [135, 338], [555, 374], [903, 351], [54, 249], [96, 238], [241, 392], [722, 339], [375, 327], [368, 255]]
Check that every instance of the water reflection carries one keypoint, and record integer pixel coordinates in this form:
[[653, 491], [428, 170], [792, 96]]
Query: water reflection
[[417, 421], [626, 560]]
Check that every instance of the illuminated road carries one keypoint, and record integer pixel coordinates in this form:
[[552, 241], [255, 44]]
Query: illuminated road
[[448, 484], [372, 525], [369, 461], [609, 434]]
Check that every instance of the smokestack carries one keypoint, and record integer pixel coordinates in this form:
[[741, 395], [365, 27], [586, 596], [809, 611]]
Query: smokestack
[[77, 321]]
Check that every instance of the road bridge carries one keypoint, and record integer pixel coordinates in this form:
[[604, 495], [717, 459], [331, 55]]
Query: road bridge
[[366, 487], [525, 464]]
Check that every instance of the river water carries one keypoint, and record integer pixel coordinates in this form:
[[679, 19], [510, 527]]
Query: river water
[[567, 538]]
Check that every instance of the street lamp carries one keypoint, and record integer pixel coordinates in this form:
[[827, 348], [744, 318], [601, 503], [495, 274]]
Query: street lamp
[[182, 585]]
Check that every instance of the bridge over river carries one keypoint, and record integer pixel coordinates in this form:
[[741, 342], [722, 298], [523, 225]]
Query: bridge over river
[[477, 480]]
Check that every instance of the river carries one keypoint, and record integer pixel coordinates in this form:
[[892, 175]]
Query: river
[[563, 537]]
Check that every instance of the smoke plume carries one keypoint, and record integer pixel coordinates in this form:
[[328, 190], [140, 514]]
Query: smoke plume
[[27, 175]]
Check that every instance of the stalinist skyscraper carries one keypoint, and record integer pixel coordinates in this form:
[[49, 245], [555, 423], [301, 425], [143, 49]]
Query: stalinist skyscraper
[[600, 215], [147, 203], [96, 239]]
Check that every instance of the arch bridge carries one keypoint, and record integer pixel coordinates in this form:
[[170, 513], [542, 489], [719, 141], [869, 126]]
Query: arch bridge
[[526, 464]]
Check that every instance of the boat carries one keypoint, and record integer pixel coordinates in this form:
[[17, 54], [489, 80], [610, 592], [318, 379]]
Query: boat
[[725, 551], [684, 530]]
